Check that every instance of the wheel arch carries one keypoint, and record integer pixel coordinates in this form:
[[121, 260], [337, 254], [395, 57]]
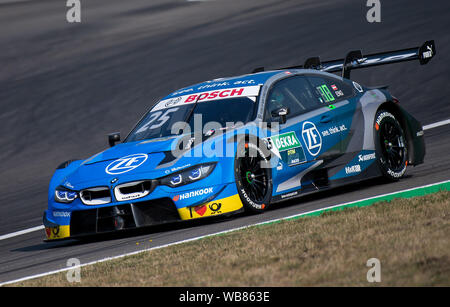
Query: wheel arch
[[413, 131]]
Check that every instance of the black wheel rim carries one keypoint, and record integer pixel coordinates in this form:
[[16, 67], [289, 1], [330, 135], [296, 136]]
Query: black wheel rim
[[392, 146], [254, 177]]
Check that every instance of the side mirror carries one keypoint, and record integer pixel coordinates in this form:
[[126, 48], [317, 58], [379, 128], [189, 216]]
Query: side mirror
[[281, 113], [113, 138]]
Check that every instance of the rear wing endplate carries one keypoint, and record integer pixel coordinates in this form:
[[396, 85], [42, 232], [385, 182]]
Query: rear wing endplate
[[356, 60]]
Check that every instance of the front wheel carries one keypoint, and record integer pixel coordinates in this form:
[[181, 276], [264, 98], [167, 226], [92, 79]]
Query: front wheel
[[390, 145], [253, 177]]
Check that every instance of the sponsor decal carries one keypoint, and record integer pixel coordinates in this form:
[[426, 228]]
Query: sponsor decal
[[339, 93], [396, 175], [334, 130], [200, 210], [284, 141], [358, 87], [172, 102], [334, 87], [325, 93], [219, 94], [363, 158], [353, 169], [57, 232], [253, 204], [196, 193], [213, 85], [126, 164], [288, 195], [215, 207], [380, 118], [244, 82], [131, 196], [61, 214], [245, 91], [294, 156], [184, 91], [312, 138], [365, 61], [429, 53], [67, 184], [174, 169]]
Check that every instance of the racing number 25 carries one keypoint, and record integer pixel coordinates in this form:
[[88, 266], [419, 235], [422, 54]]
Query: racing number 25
[[161, 119]]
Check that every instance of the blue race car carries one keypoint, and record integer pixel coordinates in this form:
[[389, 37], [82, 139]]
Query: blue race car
[[241, 143]]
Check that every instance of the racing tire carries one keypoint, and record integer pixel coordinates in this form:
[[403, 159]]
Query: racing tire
[[390, 145], [253, 176]]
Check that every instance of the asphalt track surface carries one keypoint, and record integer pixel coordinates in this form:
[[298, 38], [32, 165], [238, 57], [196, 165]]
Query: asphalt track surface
[[63, 87]]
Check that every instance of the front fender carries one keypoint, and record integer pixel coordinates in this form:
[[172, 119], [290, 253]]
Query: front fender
[[60, 173]]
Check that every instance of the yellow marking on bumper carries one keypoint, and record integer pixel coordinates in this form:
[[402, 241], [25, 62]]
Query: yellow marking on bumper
[[215, 207], [60, 232]]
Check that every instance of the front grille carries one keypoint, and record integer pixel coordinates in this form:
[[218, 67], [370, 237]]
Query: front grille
[[125, 216], [95, 196], [134, 190], [115, 218], [155, 211]]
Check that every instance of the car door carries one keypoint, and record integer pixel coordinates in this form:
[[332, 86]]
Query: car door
[[334, 94], [299, 142]]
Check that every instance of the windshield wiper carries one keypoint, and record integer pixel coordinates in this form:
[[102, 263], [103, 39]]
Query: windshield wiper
[[191, 112]]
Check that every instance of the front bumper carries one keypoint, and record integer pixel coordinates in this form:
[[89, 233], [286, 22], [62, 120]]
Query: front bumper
[[77, 223]]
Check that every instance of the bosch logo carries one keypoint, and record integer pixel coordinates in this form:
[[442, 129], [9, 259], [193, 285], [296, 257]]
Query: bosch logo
[[126, 164]]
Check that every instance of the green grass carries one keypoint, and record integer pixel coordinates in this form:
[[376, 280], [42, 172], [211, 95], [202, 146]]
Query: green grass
[[410, 237]]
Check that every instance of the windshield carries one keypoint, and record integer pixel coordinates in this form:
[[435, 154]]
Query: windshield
[[160, 123]]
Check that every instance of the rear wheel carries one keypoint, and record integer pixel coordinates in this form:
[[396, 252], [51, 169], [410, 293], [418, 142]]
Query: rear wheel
[[253, 177], [390, 145]]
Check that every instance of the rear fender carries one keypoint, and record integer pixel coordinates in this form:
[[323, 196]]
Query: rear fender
[[413, 132]]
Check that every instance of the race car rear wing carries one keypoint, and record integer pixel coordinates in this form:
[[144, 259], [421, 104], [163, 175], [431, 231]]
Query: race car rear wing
[[356, 60]]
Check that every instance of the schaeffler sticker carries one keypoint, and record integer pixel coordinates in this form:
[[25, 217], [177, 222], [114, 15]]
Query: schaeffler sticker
[[248, 91]]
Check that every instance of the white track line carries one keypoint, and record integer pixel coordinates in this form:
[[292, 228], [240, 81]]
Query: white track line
[[21, 232], [438, 124], [25, 231], [212, 234]]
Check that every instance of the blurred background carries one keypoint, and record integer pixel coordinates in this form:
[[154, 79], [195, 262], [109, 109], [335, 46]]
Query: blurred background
[[65, 86]]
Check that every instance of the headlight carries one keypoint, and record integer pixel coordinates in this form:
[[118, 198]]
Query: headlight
[[189, 175], [64, 195]]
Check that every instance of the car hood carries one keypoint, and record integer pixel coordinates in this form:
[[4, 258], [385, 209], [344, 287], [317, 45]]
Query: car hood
[[125, 149], [127, 162]]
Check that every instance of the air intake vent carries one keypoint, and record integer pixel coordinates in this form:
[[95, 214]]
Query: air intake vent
[[95, 196], [133, 190]]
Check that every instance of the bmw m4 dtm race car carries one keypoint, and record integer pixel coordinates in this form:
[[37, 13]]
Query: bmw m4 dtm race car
[[241, 143]]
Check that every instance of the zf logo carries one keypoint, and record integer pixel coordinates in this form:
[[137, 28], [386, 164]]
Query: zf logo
[[126, 164], [312, 138]]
